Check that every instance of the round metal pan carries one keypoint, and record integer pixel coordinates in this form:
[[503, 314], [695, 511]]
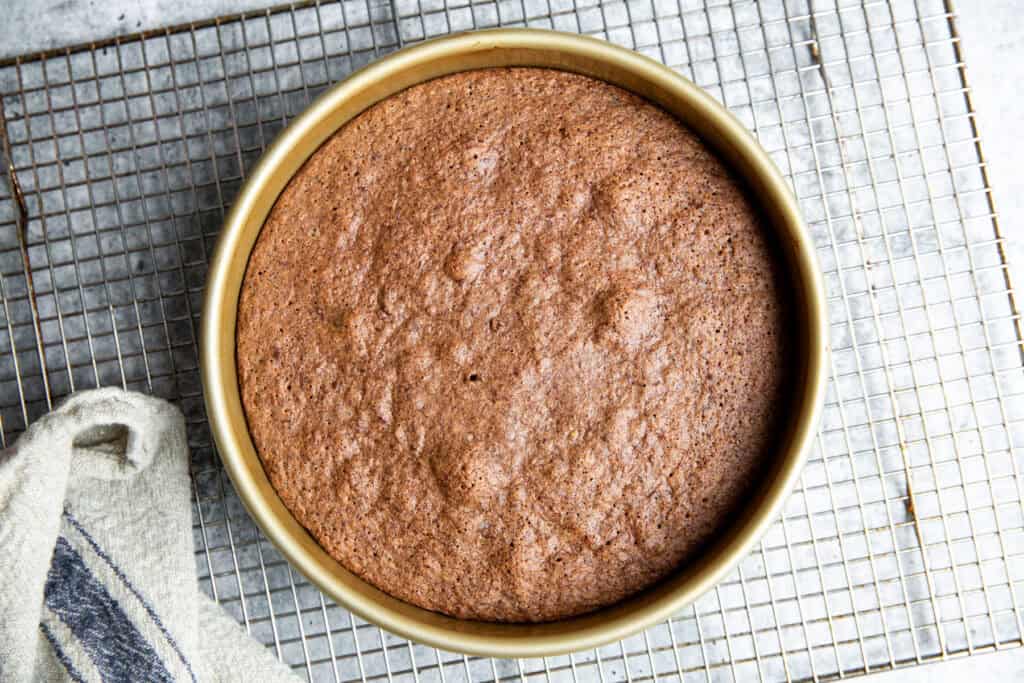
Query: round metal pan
[[423, 62]]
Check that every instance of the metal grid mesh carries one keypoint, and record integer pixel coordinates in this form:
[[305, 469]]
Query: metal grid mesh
[[904, 542]]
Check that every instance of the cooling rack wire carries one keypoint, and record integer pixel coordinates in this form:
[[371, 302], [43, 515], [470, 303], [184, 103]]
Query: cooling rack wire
[[904, 541]]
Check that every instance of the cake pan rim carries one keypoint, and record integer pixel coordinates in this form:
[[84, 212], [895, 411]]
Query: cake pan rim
[[380, 79]]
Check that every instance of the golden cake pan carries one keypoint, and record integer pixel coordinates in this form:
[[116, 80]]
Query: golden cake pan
[[423, 62]]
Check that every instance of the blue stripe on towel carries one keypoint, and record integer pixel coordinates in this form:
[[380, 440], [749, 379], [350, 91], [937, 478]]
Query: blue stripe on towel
[[111, 640], [62, 656], [128, 584]]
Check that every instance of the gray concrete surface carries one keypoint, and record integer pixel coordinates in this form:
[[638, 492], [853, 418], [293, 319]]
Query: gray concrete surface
[[993, 43], [993, 46], [996, 667], [34, 25]]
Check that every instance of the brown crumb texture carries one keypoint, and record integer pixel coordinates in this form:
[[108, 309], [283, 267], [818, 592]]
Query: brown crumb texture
[[511, 345]]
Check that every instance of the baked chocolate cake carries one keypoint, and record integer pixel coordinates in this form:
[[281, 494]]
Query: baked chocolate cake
[[512, 344]]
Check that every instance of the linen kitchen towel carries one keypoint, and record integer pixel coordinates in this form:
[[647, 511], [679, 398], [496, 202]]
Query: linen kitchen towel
[[97, 568]]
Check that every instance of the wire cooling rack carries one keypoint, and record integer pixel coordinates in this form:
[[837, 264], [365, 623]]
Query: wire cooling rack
[[904, 542]]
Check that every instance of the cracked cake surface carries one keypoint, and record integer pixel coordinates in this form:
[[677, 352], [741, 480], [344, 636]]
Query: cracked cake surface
[[511, 345]]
